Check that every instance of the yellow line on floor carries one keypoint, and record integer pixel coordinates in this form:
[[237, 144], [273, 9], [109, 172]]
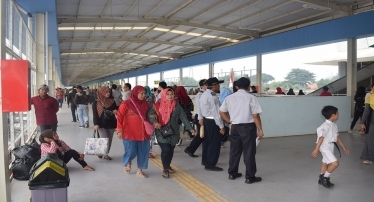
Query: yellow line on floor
[[196, 187]]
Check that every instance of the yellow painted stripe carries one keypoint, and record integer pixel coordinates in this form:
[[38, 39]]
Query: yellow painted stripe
[[196, 187]]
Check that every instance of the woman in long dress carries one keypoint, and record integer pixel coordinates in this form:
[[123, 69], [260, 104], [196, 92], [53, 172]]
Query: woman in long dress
[[368, 151]]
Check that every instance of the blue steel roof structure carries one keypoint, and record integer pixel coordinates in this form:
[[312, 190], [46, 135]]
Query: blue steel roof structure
[[42, 6]]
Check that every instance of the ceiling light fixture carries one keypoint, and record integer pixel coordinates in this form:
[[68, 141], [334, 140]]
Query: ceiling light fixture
[[316, 7]]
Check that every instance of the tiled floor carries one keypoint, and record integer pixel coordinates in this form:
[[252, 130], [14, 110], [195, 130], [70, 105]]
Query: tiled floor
[[289, 173]]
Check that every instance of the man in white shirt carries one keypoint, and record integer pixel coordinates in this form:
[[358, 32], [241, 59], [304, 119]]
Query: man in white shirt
[[127, 91], [161, 86], [116, 94]]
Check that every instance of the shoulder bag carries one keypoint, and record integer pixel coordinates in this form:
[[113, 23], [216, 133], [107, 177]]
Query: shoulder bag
[[108, 116], [149, 127], [166, 130], [96, 146]]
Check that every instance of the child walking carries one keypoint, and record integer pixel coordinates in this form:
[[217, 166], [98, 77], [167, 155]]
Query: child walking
[[327, 137]]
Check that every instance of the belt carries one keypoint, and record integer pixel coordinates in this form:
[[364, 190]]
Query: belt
[[242, 123], [209, 117]]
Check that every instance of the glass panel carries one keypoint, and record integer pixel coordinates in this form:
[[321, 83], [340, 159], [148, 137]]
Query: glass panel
[[172, 77], [132, 82], [152, 78], [142, 80]]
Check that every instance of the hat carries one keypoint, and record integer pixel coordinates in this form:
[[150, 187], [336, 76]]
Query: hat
[[243, 82], [202, 82], [213, 80], [43, 86], [79, 87]]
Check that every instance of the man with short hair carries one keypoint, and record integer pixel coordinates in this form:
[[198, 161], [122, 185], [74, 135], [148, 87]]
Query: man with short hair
[[81, 101], [46, 108], [71, 103], [213, 125], [161, 86], [127, 91], [245, 127], [116, 94], [197, 140]]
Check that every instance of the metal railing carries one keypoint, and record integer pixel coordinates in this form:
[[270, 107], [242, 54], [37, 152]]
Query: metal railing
[[20, 45]]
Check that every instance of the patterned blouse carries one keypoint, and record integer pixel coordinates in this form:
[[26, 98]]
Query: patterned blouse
[[177, 114], [151, 100], [53, 147]]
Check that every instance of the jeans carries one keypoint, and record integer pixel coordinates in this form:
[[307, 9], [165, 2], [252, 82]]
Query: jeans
[[60, 101], [45, 127], [73, 108], [82, 114]]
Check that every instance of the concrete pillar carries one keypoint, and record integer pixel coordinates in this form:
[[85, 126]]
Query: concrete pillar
[[4, 158], [211, 70], [50, 62], [342, 71], [351, 70], [146, 80], [259, 73], [40, 46], [181, 77], [136, 80], [161, 76]]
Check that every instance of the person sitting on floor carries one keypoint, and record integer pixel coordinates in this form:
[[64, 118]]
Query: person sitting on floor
[[50, 143]]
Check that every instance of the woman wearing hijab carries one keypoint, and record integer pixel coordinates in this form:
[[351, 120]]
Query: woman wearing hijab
[[168, 110], [187, 105], [301, 92], [151, 99], [105, 127], [224, 92], [290, 92], [130, 128], [368, 151], [279, 91], [359, 106]]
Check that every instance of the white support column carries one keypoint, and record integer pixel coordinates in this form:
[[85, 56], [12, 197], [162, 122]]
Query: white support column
[[161, 76], [4, 158], [211, 70], [46, 48], [136, 80], [181, 77], [351, 70], [146, 80], [40, 41], [259, 73], [50, 62], [342, 71]]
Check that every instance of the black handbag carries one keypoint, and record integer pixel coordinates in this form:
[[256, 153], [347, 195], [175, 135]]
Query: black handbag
[[166, 131], [108, 116]]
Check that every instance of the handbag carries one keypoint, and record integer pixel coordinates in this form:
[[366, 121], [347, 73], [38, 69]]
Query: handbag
[[96, 146], [166, 130], [109, 117], [149, 128]]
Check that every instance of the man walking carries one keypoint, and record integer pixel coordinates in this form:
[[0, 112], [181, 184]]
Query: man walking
[[197, 140], [213, 125], [46, 108], [246, 126], [71, 103], [81, 101]]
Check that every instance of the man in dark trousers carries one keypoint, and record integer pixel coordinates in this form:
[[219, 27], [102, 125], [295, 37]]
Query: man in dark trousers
[[245, 124], [46, 108], [71, 103], [197, 140], [213, 125]]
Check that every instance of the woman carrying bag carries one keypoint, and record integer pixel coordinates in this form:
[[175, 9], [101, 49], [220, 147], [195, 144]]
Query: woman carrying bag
[[104, 110], [168, 113], [51, 143], [130, 128]]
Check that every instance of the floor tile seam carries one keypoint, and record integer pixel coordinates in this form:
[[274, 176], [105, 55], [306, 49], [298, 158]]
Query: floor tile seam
[[195, 186]]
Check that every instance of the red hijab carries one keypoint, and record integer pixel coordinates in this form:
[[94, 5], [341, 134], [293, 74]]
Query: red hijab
[[102, 100], [141, 105], [166, 107], [182, 95], [279, 91]]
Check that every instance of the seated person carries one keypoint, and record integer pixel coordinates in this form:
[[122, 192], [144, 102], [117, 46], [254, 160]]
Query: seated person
[[254, 90], [50, 143]]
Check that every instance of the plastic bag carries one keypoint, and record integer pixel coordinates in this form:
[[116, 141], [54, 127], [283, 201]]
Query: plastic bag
[[21, 168], [27, 150]]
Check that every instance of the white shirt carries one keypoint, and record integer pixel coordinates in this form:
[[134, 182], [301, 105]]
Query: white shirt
[[197, 101], [209, 107], [329, 131], [126, 95], [117, 96], [241, 106]]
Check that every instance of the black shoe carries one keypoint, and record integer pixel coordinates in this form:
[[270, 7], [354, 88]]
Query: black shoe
[[213, 168], [320, 179], [203, 164], [234, 176], [253, 180], [190, 154], [326, 182]]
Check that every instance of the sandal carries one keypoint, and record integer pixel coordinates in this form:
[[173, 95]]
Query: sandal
[[89, 168], [171, 170], [150, 155], [99, 156], [106, 157], [367, 162], [141, 174], [128, 168], [165, 174]]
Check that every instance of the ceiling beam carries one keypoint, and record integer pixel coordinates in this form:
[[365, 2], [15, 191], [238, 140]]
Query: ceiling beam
[[159, 21], [65, 60], [237, 9], [327, 5], [136, 40], [154, 8], [210, 9], [130, 8], [116, 51], [180, 8], [106, 7]]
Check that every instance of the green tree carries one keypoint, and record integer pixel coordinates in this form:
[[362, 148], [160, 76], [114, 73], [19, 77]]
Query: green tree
[[189, 81], [300, 77], [323, 82], [266, 78]]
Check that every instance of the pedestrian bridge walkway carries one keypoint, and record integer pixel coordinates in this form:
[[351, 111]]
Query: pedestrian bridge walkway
[[289, 174]]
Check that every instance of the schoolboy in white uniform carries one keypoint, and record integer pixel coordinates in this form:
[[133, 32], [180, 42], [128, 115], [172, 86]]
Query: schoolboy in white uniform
[[327, 137]]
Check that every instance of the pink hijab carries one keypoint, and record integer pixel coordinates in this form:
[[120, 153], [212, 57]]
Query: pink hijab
[[166, 107]]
